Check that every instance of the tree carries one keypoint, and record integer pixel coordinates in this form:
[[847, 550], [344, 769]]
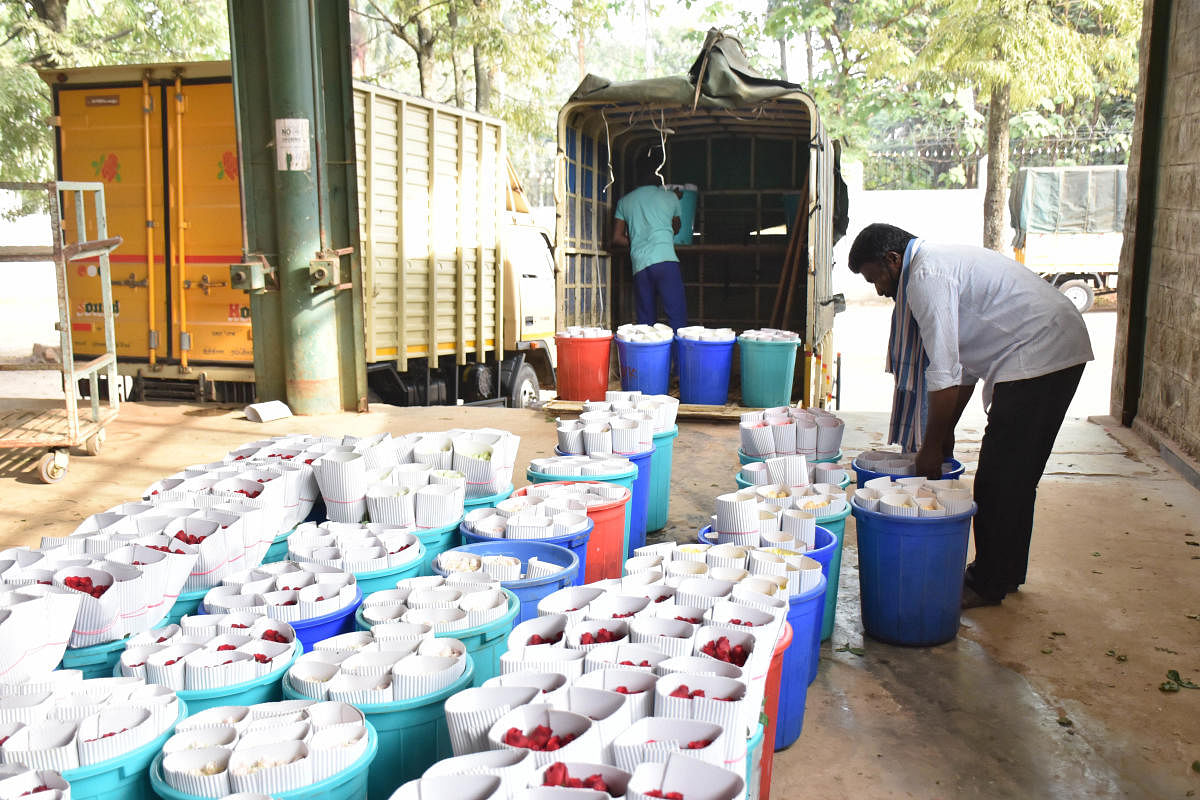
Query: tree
[[1016, 53], [46, 34]]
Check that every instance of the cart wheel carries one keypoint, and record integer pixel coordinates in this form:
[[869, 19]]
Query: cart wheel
[[50, 472], [94, 442]]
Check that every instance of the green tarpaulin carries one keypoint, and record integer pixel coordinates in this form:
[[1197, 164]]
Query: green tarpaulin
[[1067, 200]]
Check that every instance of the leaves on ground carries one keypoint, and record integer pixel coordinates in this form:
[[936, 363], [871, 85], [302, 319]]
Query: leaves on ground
[[854, 651], [1175, 682]]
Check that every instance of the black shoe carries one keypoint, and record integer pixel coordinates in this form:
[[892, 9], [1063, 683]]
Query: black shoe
[[973, 599]]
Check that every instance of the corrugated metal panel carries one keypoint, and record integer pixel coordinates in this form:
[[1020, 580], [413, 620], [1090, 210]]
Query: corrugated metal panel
[[432, 189]]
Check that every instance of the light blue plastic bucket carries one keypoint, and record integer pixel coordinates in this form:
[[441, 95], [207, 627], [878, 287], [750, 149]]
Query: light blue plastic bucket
[[188, 602], [754, 751], [745, 484], [412, 734], [528, 591], [378, 579], [659, 506], [126, 776], [486, 643], [487, 502], [436, 541], [98, 660], [349, 784], [576, 542], [279, 549]]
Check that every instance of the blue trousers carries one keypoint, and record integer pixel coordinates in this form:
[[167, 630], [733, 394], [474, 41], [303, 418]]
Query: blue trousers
[[661, 281]]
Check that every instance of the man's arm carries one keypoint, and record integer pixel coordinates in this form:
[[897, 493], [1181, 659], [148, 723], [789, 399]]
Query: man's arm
[[675, 225], [620, 234], [945, 409]]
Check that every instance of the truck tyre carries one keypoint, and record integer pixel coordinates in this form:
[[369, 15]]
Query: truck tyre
[[524, 390], [1080, 294]]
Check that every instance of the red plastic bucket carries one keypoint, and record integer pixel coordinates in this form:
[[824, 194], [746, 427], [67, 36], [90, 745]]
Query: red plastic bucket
[[774, 675], [606, 546], [582, 367]]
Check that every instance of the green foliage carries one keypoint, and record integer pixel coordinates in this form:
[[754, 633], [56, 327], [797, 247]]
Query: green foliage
[[94, 32]]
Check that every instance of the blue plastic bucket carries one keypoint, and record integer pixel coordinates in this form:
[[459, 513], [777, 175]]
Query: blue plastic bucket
[[827, 547], [767, 372], [378, 579], [577, 543], [640, 502], [279, 549], [412, 735], [187, 604], [529, 592], [754, 751], [745, 458], [349, 784], [864, 475], [470, 504], [436, 541], [125, 776], [704, 371], [804, 615], [659, 505], [911, 575], [645, 366], [486, 643], [318, 629]]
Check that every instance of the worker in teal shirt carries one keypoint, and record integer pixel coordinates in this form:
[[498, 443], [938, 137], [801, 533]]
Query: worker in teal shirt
[[647, 220]]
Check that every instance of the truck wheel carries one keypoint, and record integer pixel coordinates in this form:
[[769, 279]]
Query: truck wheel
[[1080, 293], [524, 390]]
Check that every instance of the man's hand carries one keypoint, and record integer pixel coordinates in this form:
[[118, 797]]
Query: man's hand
[[929, 463], [620, 234]]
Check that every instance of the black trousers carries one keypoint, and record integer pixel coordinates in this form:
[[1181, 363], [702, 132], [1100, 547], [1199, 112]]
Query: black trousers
[[1022, 425]]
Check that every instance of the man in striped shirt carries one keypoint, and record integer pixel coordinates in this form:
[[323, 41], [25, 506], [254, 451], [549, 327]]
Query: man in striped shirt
[[966, 314]]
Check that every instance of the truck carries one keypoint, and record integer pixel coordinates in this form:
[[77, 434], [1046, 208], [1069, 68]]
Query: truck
[[1068, 224], [162, 138], [754, 149]]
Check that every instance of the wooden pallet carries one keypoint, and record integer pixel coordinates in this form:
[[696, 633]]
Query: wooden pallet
[[46, 427], [726, 413]]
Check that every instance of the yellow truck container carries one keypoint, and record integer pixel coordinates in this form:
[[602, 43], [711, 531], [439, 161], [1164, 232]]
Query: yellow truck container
[[437, 205]]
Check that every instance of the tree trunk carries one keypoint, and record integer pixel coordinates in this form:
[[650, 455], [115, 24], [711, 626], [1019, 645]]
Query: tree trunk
[[783, 44], [996, 192], [808, 57], [483, 82], [53, 13], [426, 38]]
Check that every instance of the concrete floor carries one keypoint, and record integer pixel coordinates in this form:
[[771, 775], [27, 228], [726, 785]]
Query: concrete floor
[[1028, 702]]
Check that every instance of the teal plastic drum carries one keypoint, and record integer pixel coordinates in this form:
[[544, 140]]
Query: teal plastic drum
[[126, 776], [349, 784]]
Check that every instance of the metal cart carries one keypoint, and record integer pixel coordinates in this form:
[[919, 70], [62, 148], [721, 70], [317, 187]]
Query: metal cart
[[39, 424]]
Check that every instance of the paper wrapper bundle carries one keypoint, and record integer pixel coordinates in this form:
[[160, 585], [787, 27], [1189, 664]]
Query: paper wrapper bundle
[[35, 630], [548, 733], [542, 631], [571, 601], [654, 739], [459, 787], [284, 590], [486, 457], [38, 784], [566, 661], [342, 477], [609, 712], [514, 768], [624, 656], [687, 777], [710, 698]]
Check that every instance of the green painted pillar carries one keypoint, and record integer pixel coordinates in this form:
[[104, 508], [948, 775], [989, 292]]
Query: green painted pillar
[[292, 93], [310, 357]]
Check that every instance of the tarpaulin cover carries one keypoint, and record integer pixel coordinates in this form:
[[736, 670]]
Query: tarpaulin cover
[[1067, 200]]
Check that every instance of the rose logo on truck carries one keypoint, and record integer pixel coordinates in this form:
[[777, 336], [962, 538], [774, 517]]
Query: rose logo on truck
[[108, 167], [228, 168]]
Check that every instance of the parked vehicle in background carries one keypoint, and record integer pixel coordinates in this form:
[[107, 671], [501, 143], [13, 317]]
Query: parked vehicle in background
[[459, 299], [1068, 223]]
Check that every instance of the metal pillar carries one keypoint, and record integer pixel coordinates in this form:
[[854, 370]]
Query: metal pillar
[[292, 90]]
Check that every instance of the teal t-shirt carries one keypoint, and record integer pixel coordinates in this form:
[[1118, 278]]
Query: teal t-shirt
[[647, 211]]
